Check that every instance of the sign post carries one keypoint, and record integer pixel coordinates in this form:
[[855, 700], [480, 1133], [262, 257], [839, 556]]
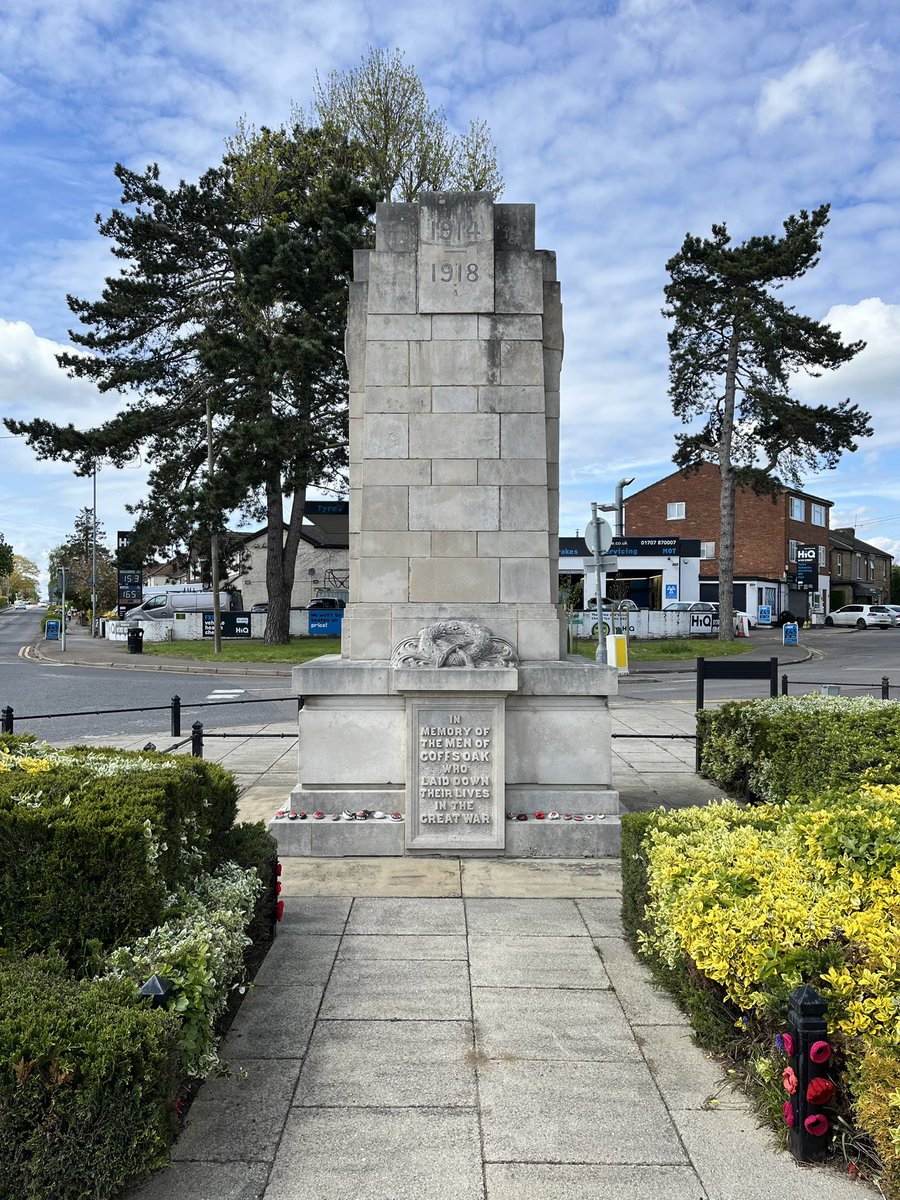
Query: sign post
[[598, 536], [61, 580]]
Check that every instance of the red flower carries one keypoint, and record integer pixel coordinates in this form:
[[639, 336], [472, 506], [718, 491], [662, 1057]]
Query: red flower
[[278, 869], [279, 909], [789, 1079], [820, 1052], [785, 1042], [789, 1114], [820, 1091], [817, 1124]]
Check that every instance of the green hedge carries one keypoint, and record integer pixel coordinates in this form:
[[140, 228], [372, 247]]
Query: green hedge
[[88, 1079], [799, 746], [91, 844]]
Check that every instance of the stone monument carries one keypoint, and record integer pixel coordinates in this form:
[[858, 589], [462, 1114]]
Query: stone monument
[[453, 703]]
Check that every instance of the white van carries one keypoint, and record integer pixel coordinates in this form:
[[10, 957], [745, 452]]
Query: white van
[[164, 605]]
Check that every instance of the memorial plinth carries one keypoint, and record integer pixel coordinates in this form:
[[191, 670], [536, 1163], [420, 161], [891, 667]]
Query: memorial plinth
[[453, 702]]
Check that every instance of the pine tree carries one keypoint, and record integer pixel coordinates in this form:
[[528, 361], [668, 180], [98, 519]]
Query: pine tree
[[733, 350]]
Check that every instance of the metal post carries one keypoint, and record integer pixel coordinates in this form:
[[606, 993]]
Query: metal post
[[94, 560], [601, 639], [698, 747], [6, 720], [176, 716], [213, 541], [773, 677], [885, 687], [784, 685], [62, 624], [810, 1128], [197, 739]]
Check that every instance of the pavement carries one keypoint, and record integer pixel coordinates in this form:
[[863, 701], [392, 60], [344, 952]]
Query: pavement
[[452, 1029]]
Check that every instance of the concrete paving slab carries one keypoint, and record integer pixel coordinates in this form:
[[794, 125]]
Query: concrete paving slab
[[205, 1181], [603, 917], [370, 877], [548, 877], [358, 947], [398, 991], [684, 1073], [737, 1160], [306, 914], [395, 916], [583, 1112], [528, 918], [503, 960], [239, 1118], [378, 1154], [570, 1181], [389, 1064], [644, 1003], [543, 1023], [273, 1022], [306, 958]]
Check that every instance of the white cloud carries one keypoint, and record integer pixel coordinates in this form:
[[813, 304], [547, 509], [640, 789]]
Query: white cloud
[[825, 84]]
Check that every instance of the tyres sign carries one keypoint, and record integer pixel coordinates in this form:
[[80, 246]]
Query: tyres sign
[[807, 564]]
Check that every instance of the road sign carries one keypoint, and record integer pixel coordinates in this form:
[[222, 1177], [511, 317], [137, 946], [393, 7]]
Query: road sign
[[671, 591], [598, 536]]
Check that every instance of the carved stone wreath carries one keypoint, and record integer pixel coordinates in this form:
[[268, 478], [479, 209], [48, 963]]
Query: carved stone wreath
[[454, 644]]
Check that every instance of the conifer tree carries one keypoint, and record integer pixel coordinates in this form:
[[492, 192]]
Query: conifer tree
[[734, 349]]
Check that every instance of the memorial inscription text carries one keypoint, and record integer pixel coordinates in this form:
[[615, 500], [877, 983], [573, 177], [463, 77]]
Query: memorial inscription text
[[455, 771]]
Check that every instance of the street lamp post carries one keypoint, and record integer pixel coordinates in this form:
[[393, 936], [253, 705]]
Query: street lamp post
[[94, 558]]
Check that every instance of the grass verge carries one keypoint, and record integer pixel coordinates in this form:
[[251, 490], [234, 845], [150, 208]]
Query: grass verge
[[299, 650], [665, 649]]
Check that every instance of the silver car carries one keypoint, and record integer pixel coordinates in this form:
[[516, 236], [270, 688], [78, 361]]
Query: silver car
[[862, 616]]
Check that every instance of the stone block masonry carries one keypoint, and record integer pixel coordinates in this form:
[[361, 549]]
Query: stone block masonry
[[452, 700], [454, 344]]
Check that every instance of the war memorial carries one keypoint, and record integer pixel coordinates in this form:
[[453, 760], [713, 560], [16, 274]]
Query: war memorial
[[453, 711]]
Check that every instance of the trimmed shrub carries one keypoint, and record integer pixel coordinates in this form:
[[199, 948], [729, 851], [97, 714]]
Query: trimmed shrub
[[92, 843], [635, 826], [800, 746], [201, 951], [88, 1078]]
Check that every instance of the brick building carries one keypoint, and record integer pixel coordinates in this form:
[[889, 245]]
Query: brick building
[[767, 532], [860, 572]]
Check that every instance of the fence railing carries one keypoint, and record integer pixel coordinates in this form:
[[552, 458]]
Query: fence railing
[[883, 687], [8, 716]]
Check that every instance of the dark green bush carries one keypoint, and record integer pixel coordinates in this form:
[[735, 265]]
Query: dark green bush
[[88, 1078], [634, 870], [799, 746], [252, 846], [87, 859]]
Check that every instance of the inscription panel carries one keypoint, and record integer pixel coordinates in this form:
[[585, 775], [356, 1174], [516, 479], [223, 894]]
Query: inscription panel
[[456, 253], [455, 776]]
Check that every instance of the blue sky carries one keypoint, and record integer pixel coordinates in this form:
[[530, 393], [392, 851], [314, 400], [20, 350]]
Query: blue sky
[[628, 123]]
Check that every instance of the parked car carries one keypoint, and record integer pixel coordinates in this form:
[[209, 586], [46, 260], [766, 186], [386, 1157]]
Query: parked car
[[862, 616], [329, 602], [614, 605], [705, 606], [738, 612], [895, 609], [261, 607]]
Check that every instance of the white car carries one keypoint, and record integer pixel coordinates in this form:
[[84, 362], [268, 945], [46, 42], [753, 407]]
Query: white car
[[693, 606], [21, 604], [862, 616], [739, 612]]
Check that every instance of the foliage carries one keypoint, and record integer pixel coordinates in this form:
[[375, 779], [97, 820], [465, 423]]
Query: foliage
[[895, 585], [404, 144], [298, 650], [798, 746], [22, 583], [225, 328], [733, 351], [88, 1077], [93, 843], [6, 561], [76, 555], [754, 902], [200, 950]]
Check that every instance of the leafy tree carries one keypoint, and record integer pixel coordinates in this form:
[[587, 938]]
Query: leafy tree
[[225, 328], [406, 146], [733, 350], [23, 581], [76, 554], [895, 585], [6, 564]]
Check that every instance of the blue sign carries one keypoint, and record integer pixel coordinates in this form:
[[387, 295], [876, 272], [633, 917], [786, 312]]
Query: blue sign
[[790, 634], [671, 591], [51, 631], [764, 614], [325, 622]]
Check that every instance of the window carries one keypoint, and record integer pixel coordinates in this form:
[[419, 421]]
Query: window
[[675, 511], [707, 549], [817, 513], [798, 509], [821, 556], [792, 551], [840, 563]]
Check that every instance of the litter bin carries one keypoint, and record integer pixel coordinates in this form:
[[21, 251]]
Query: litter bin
[[135, 640]]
